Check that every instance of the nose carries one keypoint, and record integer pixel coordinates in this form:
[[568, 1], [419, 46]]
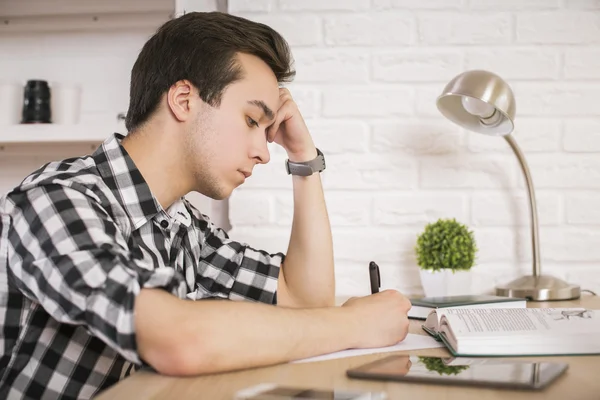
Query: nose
[[261, 150]]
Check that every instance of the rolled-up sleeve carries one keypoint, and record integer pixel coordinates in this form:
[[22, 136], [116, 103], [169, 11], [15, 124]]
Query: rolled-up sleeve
[[69, 256], [235, 270]]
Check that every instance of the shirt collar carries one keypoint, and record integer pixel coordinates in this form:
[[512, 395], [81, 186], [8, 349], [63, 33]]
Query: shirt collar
[[179, 212], [126, 181]]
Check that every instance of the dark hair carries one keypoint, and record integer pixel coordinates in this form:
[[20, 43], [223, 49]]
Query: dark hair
[[201, 47]]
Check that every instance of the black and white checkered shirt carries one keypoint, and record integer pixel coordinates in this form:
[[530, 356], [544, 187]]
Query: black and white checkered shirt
[[79, 238]]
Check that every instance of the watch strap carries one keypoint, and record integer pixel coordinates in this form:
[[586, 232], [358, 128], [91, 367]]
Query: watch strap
[[306, 168]]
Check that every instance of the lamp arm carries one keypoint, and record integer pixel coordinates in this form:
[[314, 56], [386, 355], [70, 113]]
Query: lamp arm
[[535, 236]]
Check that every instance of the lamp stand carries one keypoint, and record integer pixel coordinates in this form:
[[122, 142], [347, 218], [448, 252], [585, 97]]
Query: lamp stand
[[536, 287]]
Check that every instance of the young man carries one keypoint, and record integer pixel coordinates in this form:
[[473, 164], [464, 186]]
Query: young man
[[101, 255]]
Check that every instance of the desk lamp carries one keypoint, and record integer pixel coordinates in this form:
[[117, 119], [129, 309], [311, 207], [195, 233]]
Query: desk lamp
[[482, 102]]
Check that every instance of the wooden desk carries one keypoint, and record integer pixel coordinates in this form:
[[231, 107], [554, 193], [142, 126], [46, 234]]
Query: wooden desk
[[580, 382]]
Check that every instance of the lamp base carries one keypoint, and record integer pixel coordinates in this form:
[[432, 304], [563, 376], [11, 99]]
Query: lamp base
[[539, 288]]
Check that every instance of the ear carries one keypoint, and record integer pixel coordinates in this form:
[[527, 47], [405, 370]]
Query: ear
[[180, 99]]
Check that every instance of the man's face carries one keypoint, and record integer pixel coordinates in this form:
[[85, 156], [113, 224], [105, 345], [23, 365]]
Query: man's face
[[225, 143]]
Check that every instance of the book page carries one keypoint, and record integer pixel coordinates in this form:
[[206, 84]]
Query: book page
[[520, 320]]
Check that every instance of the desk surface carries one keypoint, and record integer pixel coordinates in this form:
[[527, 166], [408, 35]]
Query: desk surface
[[580, 382]]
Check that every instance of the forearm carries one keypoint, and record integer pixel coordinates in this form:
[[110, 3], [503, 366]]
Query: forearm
[[308, 268], [179, 337], [308, 275]]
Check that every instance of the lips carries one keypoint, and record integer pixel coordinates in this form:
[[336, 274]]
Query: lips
[[246, 174]]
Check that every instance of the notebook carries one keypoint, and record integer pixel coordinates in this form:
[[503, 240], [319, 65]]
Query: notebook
[[423, 306]]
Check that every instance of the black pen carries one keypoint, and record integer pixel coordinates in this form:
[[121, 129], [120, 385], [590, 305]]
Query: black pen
[[374, 277]]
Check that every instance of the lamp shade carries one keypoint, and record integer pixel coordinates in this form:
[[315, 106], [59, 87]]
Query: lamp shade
[[479, 101]]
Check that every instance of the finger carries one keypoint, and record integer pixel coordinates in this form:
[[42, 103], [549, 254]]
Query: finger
[[272, 131], [284, 99], [282, 115], [284, 95]]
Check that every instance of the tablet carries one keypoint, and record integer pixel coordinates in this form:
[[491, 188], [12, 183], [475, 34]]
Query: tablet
[[483, 372]]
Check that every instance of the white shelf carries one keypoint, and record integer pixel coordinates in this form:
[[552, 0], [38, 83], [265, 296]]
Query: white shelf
[[82, 15], [53, 133], [83, 23], [36, 8]]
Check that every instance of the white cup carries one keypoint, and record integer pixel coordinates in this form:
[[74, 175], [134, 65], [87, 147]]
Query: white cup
[[65, 103], [11, 103]]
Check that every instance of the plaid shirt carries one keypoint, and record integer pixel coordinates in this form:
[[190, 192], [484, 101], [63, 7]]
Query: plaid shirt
[[79, 239]]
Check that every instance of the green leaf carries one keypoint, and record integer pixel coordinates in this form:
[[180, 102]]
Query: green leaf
[[446, 244]]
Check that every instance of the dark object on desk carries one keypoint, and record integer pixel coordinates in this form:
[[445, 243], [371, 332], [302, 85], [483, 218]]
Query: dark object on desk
[[501, 374], [36, 102], [272, 391], [423, 306], [374, 277]]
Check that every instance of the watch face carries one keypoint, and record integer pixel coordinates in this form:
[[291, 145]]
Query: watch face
[[287, 167]]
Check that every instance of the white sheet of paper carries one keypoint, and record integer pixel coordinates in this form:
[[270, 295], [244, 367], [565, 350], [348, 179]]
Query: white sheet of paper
[[411, 342]]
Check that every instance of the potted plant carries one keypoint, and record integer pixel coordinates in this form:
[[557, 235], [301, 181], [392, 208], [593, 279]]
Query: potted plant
[[437, 365], [446, 252]]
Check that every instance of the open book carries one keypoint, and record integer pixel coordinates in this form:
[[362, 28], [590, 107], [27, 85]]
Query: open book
[[507, 332]]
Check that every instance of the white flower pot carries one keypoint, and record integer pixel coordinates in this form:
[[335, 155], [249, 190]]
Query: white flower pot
[[445, 282]]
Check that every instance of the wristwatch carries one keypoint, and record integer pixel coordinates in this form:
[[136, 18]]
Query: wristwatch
[[306, 168]]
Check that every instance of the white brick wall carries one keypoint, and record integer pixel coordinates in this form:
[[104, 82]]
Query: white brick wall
[[368, 73]]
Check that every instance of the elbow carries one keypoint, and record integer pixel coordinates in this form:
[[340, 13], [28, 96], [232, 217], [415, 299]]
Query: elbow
[[181, 359], [322, 301], [287, 297], [169, 338], [325, 300], [315, 300], [166, 358], [163, 364], [328, 302]]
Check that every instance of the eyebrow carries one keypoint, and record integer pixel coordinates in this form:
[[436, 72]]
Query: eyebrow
[[259, 103]]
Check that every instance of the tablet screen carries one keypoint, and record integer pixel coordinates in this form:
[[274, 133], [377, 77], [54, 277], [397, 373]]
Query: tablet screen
[[493, 372]]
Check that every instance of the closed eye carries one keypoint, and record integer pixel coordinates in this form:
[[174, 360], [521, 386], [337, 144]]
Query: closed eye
[[251, 122]]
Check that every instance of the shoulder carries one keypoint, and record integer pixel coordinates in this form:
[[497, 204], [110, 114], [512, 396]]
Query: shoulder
[[71, 176]]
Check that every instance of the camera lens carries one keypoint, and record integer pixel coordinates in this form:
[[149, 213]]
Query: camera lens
[[36, 102]]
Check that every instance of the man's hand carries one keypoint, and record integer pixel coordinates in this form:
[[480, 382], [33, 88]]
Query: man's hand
[[380, 319], [290, 131]]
